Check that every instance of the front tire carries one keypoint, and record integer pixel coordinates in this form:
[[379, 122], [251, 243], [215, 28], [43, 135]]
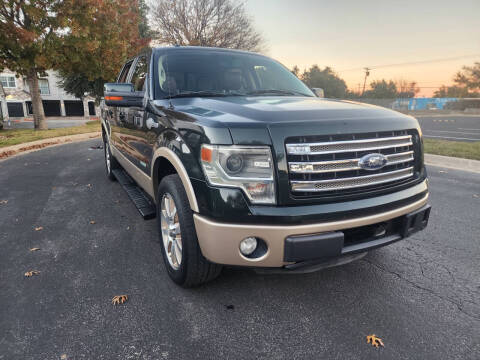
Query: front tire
[[182, 256], [110, 162]]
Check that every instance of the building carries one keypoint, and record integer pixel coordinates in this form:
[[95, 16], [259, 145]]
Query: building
[[16, 101]]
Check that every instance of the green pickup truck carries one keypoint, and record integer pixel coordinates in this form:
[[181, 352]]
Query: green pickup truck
[[243, 165]]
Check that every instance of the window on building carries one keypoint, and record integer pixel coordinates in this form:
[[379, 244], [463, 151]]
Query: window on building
[[43, 86], [8, 81]]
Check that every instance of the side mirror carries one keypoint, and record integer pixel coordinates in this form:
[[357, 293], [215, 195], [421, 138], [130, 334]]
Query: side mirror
[[319, 92], [122, 94]]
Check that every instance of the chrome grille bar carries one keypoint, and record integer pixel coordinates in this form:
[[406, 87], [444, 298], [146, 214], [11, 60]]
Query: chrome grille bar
[[316, 167], [333, 147], [352, 182]]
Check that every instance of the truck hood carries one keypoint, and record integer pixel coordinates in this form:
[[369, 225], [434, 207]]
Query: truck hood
[[256, 120]]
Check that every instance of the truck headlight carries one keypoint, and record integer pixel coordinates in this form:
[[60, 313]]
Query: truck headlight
[[249, 168]]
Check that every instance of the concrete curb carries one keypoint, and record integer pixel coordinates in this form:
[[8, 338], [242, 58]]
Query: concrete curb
[[25, 148], [453, 163]]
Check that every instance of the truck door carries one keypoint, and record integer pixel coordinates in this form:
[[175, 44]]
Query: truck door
[[139, 141], [116, 116]]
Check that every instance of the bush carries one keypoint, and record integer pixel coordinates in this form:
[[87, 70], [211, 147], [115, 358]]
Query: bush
[[462, 105]]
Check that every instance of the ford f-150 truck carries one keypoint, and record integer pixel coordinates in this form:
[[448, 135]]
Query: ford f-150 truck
[[243, 165]]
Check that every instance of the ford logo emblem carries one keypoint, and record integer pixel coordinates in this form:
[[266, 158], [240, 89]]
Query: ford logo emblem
[[372, 162]]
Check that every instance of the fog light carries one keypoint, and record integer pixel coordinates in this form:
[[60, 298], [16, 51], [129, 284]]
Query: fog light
[[248, 245]]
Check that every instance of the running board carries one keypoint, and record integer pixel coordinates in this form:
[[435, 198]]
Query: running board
[[141, 201]]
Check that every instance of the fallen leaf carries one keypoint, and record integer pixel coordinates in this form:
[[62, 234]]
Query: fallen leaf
[[63, 356], [88, 159], [476, 195], [34, 249], [3, 202], [92, 222], [39, 228], [442, 171], [89, 185], [31, 273], [374, 340], [128, 227], [119, 299]]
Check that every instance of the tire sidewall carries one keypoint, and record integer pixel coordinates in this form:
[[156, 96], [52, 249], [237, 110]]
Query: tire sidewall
[[168, 185]]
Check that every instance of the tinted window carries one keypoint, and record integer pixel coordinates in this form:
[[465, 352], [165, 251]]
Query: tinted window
[[140, 73], [124, 73], [226, 73]]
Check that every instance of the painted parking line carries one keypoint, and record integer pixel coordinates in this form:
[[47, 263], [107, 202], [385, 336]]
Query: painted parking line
[[469, 129]]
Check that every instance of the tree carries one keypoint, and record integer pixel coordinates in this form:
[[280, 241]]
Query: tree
[[296, 71], [104, 34], [327, 79], [117, 29], [453, 91], [29, 33], [406, 89], [469, 77], [381, 89], [216, 23]]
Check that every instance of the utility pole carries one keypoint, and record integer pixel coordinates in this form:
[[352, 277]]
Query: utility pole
[[367, 72]]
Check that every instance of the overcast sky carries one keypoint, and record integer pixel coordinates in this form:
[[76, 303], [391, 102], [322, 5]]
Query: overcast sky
[[351, 34]]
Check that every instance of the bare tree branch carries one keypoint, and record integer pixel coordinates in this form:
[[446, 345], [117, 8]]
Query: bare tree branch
[[216, 23]]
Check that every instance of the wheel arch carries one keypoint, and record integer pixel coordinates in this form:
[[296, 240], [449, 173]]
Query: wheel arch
[[166, 162]]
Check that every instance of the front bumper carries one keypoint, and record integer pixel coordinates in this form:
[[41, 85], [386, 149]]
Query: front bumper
[[219, 242]]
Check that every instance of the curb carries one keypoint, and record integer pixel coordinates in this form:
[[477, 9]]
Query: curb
[[453, 163], [25, 148]]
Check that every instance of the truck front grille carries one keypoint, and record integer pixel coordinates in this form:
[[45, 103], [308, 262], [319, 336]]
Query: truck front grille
[[331, 163]]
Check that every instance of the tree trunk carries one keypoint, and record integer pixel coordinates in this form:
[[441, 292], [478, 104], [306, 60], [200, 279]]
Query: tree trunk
[[37, 105]]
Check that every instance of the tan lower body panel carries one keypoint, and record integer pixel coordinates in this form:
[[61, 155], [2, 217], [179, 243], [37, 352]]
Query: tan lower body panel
[[220, 241]]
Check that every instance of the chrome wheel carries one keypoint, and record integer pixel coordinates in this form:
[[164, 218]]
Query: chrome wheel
[[171, 235]]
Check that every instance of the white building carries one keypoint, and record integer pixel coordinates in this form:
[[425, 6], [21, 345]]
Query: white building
[[16, 102]]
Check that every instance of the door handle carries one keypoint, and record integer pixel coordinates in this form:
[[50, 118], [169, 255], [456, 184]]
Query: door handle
[[151, 124]]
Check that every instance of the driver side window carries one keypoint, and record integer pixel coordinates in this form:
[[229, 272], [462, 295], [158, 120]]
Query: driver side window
[[140, 74]]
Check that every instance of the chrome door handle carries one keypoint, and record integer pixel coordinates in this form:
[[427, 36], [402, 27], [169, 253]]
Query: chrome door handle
[[151, 124]]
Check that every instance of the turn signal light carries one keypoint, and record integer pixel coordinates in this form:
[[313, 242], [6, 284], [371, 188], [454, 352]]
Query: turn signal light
[[114, 98]]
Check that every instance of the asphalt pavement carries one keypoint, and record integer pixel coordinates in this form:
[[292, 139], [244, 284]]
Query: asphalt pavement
[[420, 295], [52, 123], [450, 127]]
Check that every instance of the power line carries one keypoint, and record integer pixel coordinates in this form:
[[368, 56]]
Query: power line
[[413, 63]]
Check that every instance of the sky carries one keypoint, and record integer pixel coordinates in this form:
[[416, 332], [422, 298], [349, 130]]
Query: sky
[[349, 35]]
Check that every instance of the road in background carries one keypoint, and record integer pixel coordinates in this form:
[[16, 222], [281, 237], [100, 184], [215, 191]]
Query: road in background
[[52, 123], [420, 295], [450, 127]]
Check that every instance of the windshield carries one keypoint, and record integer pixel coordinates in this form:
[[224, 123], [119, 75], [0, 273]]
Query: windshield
[[218, 73]]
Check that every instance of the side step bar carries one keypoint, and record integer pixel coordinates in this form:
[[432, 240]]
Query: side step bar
[[142, 202]]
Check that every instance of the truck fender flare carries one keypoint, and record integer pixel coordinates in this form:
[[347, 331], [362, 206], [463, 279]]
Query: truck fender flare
[[168, 154]]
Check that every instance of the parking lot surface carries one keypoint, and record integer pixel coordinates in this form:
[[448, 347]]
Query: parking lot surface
[[451, 127], [420, 295]]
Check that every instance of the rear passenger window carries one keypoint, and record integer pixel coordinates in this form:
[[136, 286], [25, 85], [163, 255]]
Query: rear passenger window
[[123, 75], [140, 73]]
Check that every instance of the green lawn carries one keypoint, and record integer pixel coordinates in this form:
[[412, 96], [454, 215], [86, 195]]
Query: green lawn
[[20, 136], [467, 150]]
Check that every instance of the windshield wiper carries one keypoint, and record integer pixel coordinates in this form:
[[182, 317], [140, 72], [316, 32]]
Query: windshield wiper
[[276, 92], [187, 94]]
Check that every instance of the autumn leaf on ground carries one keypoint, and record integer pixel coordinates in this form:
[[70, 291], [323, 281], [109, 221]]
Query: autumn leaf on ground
[[89, 185], [31, 273], [374, 340], [34, 249], [39, 228], [476, 195], [92, 222], [3, 202], [119, 299]]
